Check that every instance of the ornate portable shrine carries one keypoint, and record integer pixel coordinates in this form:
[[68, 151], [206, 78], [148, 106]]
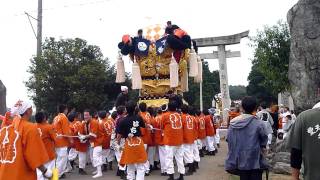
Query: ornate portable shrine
[[161, 64]]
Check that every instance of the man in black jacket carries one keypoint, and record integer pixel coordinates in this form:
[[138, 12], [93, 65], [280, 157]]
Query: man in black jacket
[[304, 143], [123, 97]]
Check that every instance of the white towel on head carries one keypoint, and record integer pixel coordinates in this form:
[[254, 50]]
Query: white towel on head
[[20, 107], [124, 88]]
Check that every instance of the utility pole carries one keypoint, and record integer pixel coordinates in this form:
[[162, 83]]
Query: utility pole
[[201, 100], [39, 29]]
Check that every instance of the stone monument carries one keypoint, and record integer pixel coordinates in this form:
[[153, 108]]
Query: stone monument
[[304, 63], [285, 99], [3, 105]]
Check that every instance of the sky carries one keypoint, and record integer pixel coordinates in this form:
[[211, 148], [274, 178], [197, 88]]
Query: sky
[[103, 22]]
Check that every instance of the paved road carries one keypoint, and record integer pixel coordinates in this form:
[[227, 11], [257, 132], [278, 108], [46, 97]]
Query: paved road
[[211, 168]]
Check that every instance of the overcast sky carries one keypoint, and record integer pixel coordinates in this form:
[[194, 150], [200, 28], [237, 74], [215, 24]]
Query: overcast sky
[[103, 22]]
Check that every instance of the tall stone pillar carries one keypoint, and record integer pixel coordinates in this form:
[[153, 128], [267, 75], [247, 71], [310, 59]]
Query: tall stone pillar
[[304, 63], [224, 87], [3, 104]]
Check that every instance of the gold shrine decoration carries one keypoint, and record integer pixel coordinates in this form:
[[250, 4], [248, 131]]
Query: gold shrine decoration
[[157, 87], [147, 63], [155, 102], [154, 65], [155, 73]]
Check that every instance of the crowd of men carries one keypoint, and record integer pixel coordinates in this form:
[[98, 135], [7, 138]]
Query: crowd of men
[[252, 131], [278, 119], [140, 139]]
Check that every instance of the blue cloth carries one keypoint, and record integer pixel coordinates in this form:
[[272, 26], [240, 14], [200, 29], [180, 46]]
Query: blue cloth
[[142, 46], [161, 45], [246, 137]]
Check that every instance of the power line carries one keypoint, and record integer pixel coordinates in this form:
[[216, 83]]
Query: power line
[[28, 15], [67, 6]]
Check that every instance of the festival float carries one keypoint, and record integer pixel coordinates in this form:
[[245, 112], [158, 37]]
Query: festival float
[[161, 63]]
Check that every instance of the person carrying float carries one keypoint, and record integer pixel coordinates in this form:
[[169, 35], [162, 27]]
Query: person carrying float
[[48, 137], [146, 133], [210, 133], [96, 141], [108, 130], [188, 139], [134, 154], [173, 140], [63, 140], [22, 149], [79, 129]]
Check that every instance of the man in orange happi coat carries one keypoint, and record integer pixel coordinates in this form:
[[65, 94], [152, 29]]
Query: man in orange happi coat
[[173, 140], [196, 153], [48, 136], [153, 157], [108, 127], [233, 113], [201, 132], [96, 140], [188, 138], [22, 150], [158, 138], [134, 154], [146, 133], [80, 148], [62, 128], [210, 133]]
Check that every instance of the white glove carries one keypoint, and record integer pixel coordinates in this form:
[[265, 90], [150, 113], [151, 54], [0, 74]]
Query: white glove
[[150, 126], [48, 174], [83, 140], [82, 137], [113, 135], [59, 135], [93, 135]]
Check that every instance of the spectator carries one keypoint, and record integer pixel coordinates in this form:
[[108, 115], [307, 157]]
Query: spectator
[[275, 116], [304, 143], [288, 125], [247, 140], [266, 118]]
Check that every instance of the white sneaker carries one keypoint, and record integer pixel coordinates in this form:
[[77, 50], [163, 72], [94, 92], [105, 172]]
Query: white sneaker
[[97, 175], [94, 172]]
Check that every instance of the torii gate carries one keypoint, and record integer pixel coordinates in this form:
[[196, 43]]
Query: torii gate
[[222, 54]]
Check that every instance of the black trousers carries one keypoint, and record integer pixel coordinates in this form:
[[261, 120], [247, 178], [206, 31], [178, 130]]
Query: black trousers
[[255, 174]]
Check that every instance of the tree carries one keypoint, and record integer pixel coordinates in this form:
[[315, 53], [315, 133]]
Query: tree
[[237, 92], [257, 88], [210, 87], [271, 57], [72, 72]]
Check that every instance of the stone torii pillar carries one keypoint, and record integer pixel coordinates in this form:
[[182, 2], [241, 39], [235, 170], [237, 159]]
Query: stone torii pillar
[[3, 107], [222, 55]]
